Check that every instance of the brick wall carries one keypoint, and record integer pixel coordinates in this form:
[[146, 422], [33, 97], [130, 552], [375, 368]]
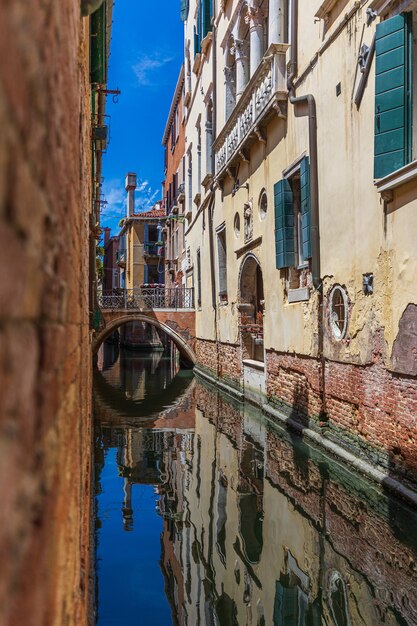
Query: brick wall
[[371, 407], [45, 427], [223, 359]]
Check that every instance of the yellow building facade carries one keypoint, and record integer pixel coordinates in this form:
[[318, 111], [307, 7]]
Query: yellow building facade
[[301, 200]]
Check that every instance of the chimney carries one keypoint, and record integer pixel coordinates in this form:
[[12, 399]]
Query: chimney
[[106, 236], [130, 188]]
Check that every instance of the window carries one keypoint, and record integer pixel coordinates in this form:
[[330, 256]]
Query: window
[[209, 137], [263, 204], [222, 263], [292, 218], [198, 158], [338, 312], [236, 224], [184, 7], [393, 94], [190, 180], [203, 24], [198, 279]]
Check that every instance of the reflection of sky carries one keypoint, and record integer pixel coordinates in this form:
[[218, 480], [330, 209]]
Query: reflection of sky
[[131, 584]]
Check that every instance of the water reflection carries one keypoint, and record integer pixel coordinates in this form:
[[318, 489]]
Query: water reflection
[[254, 526]]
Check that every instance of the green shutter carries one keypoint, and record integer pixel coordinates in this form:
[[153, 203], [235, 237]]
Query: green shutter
[[197, 42], [393, 119], [184, 10], [206, 17], [98, 45], [284, 224], [305, 207]]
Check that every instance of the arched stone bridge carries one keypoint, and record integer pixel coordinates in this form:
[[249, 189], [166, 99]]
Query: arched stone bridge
[[173, 314]]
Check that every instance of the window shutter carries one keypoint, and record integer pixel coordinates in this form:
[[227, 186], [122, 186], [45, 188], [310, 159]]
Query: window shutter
[[184, 10], [197, 42], [393, 47], [98, 45], [284, 224], [206, 17], [305, 207]]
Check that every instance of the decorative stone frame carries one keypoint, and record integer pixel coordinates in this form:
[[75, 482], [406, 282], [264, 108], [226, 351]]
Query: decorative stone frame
[[337, 333], [262, 212]]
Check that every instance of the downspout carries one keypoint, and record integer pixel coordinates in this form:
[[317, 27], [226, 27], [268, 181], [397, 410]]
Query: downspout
[[312, 138], [309, 100], [213, 184]]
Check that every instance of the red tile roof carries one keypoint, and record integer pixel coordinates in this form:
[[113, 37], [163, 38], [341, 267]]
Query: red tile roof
[[151, 213]]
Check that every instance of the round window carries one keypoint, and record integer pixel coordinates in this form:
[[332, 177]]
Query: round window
[[263, 204], [236, 224], [338, 312]]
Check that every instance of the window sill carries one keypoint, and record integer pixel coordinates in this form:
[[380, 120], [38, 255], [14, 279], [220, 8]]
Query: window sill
[[257, 365], [385, 186], [298, 295]]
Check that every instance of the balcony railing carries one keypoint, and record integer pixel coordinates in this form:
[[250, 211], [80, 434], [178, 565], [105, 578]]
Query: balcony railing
[[121, 258], [265, 95], [145, 298], [151, 248]]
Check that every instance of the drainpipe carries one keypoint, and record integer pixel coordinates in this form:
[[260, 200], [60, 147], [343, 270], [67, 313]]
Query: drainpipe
[[309, 100], [312, 138], [213, 165]]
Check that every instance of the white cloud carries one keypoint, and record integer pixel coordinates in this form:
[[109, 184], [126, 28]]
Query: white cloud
[[147, 67], [115, 195]]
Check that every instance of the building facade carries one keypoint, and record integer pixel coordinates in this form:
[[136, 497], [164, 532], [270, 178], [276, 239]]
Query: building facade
[[141, 250], [111, 271], [301, 203], [174, 188]]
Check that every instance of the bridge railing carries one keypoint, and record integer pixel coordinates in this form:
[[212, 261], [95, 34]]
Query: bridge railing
[[148, 298]]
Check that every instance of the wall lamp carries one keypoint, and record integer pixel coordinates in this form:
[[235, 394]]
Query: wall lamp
[[236, 187]]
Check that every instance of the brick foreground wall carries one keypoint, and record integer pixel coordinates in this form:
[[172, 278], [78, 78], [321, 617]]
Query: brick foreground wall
[[223, 359], [45, 427], [369, 407]]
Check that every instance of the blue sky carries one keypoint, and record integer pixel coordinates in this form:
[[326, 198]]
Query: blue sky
[[145, 59]]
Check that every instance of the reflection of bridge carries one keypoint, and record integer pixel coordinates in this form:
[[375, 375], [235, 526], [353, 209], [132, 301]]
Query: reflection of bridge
[[171, 310]]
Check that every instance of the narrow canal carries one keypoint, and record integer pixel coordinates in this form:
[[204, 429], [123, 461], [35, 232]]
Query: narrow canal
[[208, 515]]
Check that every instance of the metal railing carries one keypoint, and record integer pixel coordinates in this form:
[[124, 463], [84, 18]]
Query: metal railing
[[152, 248], [148, 298]]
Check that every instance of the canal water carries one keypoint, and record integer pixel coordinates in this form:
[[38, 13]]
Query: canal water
[[209, 515]]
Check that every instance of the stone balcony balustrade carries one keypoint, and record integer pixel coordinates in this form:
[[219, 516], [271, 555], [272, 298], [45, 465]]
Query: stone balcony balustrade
[[264, 96]]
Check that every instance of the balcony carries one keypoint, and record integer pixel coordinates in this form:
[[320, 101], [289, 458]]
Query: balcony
[[152, 248], [265, 96], [121, 258]]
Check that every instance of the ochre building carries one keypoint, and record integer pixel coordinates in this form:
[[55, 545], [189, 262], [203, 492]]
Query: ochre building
[[301, 196]]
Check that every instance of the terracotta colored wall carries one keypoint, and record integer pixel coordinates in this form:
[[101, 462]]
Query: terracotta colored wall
[[45, 426]]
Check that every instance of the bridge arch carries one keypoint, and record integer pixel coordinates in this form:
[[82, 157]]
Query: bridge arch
[[184, 349]]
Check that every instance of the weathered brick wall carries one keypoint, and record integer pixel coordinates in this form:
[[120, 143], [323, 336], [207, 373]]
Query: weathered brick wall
[[373, 407], [206, 354], [295, 381], [223, 359], [45, 415]]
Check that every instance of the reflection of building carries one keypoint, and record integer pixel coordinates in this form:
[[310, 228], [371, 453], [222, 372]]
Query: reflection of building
[[261, 530], [174, 186], [141, 250]]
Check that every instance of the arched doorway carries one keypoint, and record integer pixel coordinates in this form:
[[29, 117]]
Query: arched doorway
[[251, 308]]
